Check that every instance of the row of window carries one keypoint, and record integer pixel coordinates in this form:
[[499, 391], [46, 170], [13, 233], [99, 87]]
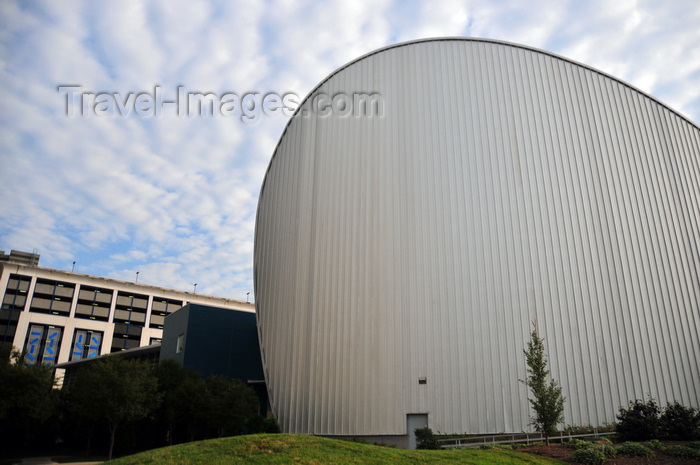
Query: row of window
[[43, 342], [56, 297]]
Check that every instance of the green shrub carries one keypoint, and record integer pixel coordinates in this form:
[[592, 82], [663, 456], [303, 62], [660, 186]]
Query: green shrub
[[694, 445], [607, 450], [258, 424], [679, 422], [425, 439], [655, 444], [639, 422], [603, 441], [578, 444], [589, 456], [682, 452], [634, 449], [536, 443]]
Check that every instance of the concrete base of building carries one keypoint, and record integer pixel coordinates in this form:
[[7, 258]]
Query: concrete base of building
[[398, 441]]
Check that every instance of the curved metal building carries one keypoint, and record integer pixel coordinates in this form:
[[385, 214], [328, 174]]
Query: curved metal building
[[401, 258]]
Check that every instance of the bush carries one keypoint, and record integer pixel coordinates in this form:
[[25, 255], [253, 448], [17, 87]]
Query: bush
[[257, 424], [607, 450], [578, 444], [682, 452], [694, 445], [589, 456], [639, 422], [425, 439], [679, 422], [634, 449], [655, 444]]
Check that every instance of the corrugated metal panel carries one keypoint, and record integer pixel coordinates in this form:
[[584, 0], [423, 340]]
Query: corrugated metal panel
[[503, 185]]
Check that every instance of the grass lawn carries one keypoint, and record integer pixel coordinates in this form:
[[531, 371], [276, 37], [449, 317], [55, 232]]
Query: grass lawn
[[301, 449]]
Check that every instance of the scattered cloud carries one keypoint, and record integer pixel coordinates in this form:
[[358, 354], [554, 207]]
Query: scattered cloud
[[174, 198]]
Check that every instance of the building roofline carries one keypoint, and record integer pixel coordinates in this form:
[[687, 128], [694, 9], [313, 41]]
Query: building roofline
[[456, 39], [101, 281]]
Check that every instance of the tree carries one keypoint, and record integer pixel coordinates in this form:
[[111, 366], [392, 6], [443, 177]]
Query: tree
[[27, 401], [547, 400], [228, 406], [115, 390], [182, 392]]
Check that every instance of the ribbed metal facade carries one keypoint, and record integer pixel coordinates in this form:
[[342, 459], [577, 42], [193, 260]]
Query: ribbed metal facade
[[503, 185]]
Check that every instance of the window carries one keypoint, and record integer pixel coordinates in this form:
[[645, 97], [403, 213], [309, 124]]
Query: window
[[126, 336], [161, 308], [129, 320], [53, 297], [86, 344], [93, 303], [13, 303], [130, 308], [43, 344], [180, 343]]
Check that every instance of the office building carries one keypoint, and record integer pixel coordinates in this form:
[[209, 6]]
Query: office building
[[57, 316]]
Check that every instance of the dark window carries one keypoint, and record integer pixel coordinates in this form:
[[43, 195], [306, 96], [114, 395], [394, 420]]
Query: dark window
[[93, 303], [13, 303], [126, 336], [53, 297], [130, 309], [129, 320], [161, 308]]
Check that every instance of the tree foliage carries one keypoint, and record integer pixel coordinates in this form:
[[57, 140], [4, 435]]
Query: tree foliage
[[639, 422], [28, 400], [644, 420], [118, 404], [116, 390], [195, 408], [183, 391], [547, 400], [425, 439], [680, 422], [228, 405]]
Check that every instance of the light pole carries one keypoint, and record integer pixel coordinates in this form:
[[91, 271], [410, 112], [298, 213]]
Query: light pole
[[247, 297], [195, 288], [73, 269], [137, 277]]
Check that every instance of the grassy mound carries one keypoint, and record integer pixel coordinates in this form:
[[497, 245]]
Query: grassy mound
[[300, 449]]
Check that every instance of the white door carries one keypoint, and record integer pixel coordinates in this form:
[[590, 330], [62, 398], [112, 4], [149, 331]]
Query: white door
[[415, 421]]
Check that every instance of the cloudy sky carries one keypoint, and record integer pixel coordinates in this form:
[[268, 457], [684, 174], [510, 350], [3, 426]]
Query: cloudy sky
[[174, 196]]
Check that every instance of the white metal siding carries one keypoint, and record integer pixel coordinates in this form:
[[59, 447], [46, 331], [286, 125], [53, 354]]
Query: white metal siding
[[504, 185]]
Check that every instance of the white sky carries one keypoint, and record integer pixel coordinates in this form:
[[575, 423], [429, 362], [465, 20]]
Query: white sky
[[175, 197]]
